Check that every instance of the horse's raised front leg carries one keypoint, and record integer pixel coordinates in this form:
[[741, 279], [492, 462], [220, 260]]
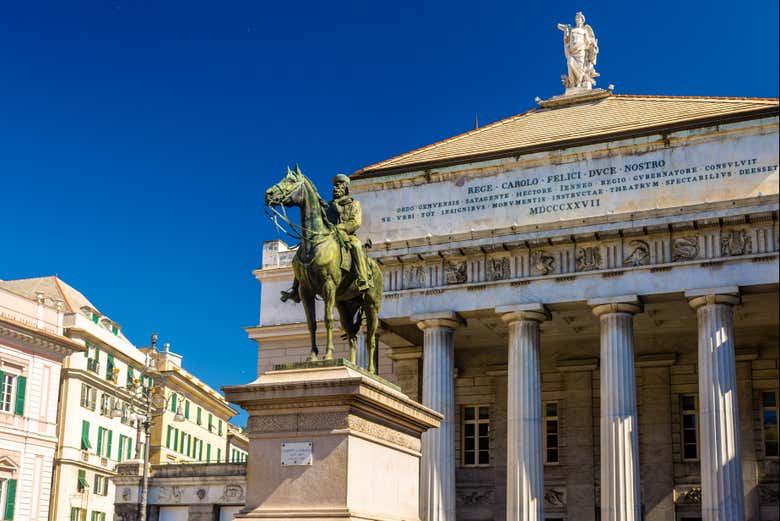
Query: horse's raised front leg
[[311, 322], [329, 299]]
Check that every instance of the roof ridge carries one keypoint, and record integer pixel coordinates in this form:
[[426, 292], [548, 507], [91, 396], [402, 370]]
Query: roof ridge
[[442, 141], [719, 98], [62, 292]]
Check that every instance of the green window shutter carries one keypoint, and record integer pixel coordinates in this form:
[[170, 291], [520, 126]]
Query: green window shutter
[[108, 448], [85, 445], [100, 442], [168, 437], [10, 499], [74, 514], [208, 453], [81, 484], [120, 450], [95, 318], [110, 367], [187, 409], [130, 375], [129, 447], [219, 455], [198, 420], [174, 399], [176, 439], [220, 427], [86, 351], [211, 422], [21, 384]]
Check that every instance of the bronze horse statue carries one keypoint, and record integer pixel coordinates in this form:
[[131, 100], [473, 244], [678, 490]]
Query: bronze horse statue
[[318, 268]]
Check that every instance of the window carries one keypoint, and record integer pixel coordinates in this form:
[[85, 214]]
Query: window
[[105, 404], [551, 433], [78, 514], [211, 422], [101, 485], [174, 402], [208, 453], [93, 364], [12, 391], [88, 397], [125, 448], [125, 418], [197, 417], [130, 377], [104, 442], [85, 444], [110, 368], [176, 439], [219, 429], [97, 516], [219, 455], [476, 439], [82, 484], [769, 423], [688, 412], [168, 437], [7, 497], [187, 409]]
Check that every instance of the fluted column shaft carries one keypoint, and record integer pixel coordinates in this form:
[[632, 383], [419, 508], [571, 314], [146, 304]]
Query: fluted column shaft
[[620, 499], [525, 470], [362, 350], [437, 466], [720, 454]]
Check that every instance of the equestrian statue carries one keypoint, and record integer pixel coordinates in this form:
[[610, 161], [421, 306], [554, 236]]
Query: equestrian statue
[[331, 262]]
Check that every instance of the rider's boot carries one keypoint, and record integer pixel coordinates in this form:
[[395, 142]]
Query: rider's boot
[[291, 293], [361, 268]]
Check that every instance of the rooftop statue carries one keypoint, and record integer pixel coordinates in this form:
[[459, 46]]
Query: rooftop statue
[[331, 262], [581, 48]]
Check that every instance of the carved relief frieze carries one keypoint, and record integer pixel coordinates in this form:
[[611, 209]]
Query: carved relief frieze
[[588, 258], [736, 242], [455, 272], [542, 262], [640, 254], [685, 248], [172, 494], [232, 492], [414, 276], [497, 268], [555, 497]]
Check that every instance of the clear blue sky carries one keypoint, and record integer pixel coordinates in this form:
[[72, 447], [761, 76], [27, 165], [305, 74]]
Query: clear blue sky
[[137, 138]]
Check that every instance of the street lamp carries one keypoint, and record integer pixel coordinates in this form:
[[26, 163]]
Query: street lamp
[[154, 404]]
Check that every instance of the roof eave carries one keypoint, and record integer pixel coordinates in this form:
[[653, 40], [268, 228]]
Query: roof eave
[[736, 117]]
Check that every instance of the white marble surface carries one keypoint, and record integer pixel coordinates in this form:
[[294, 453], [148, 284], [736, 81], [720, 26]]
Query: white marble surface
[[437, 467], [525, 471], [620, 495], [719, 436], [554, 189]]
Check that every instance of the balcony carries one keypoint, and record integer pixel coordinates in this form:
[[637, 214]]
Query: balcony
[[93, 365]]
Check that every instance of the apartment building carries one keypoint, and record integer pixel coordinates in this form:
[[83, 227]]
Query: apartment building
[[237, 444], [32, 349]]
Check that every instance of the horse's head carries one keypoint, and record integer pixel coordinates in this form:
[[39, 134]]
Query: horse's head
[[288, 191]]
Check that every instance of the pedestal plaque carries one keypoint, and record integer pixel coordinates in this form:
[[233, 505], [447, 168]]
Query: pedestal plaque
[[329, 441]]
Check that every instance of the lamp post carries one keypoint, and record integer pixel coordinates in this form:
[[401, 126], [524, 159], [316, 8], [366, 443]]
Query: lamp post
[[153, 404]]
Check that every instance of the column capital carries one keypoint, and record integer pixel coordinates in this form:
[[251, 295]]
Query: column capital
[[448, 319], [536, 312], [728, 295], [620, 304]]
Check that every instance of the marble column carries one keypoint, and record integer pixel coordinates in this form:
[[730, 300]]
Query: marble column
[[620, 499], [525, 470], [437, 466], [720, 454]]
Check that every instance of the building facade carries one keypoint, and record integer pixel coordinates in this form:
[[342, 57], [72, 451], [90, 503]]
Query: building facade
[[588, 292], [237, 449], [200, 434], [32, 349]]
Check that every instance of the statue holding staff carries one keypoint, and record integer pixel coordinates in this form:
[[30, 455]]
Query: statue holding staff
[[581, 48]]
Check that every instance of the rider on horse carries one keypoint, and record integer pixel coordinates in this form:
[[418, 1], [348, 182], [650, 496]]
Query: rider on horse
[[345, 214]]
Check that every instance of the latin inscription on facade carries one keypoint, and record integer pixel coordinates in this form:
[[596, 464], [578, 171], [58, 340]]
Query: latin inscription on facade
[[694, 174]]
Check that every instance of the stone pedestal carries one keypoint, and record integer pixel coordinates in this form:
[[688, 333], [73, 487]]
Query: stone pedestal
[[364, 436]]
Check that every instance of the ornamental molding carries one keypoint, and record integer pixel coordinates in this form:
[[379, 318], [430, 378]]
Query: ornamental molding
[[607, 253]]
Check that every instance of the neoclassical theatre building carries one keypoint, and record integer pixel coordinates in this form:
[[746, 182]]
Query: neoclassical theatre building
[[588, 291]]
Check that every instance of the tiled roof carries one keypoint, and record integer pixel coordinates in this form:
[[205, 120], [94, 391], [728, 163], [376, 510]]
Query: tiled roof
[[52, 287], [575, 121]]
